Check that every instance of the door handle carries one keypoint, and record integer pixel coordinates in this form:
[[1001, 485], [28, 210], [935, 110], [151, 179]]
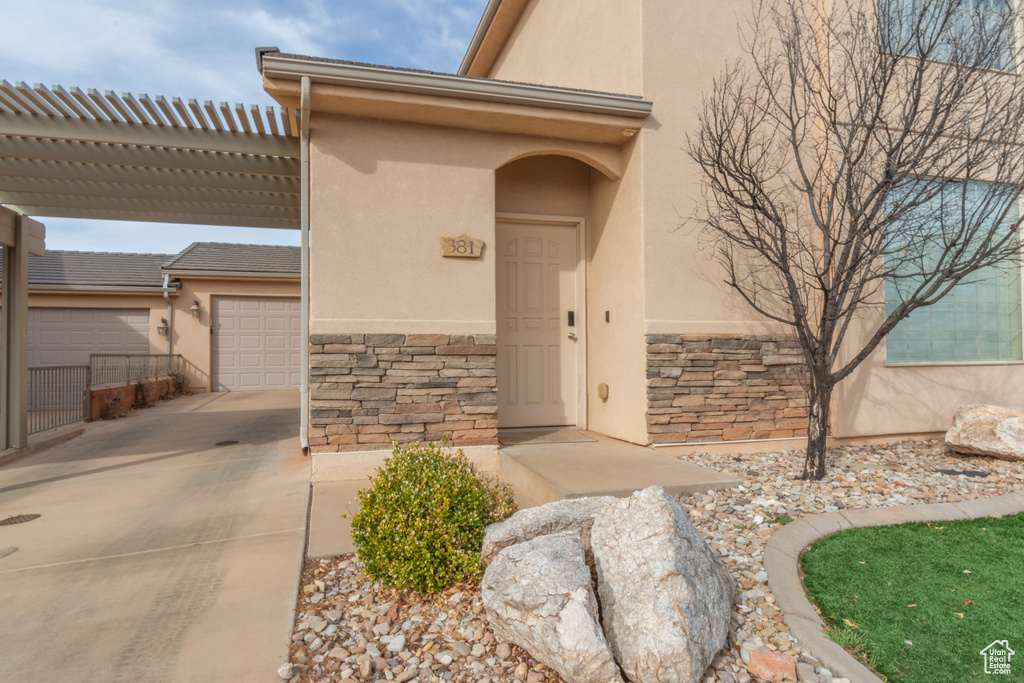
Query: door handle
[[572, 335]]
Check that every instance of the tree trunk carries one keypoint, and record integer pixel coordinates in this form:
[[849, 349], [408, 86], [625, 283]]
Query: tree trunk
[[817, 431]]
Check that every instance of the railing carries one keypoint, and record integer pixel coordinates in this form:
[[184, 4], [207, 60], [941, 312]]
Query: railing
[[60, 394], [119, 368], [57, 396]]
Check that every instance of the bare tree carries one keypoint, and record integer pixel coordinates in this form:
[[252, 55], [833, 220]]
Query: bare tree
[[859, 144]]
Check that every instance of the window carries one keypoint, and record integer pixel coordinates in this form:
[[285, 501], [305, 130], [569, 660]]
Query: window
[[980, 319], [977, 32]]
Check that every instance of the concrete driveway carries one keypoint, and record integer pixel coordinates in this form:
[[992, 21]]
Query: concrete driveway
[[159, 556]]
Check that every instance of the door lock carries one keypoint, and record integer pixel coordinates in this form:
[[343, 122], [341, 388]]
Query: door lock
[[572, 318]]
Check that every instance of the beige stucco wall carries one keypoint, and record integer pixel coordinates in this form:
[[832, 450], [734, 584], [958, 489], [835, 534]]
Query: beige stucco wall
[[588, 44], [548, 185], [553, 44], [683, 287], [645, 269], [916, 398], [617, 347], [686, 46], [383, 194], [191, 337]]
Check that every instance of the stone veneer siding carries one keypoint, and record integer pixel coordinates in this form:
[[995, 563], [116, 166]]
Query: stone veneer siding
[[367, 390], [724, 388]]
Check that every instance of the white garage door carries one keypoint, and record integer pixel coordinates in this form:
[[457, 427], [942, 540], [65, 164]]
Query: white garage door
[[255, 344], [66, 336]]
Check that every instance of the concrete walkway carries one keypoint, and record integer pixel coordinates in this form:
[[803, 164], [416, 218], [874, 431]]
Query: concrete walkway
[[782, 562], [540, 472], [603, 466], [159, 556]]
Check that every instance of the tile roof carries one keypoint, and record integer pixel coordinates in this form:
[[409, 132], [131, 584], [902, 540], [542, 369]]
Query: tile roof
[[94, 268], [218, 257]]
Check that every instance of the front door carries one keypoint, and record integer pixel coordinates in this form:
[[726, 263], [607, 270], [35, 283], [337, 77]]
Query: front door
[[536, 288]]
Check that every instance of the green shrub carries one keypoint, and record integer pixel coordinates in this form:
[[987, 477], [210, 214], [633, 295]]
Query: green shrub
[[421, 522], [501, 500]]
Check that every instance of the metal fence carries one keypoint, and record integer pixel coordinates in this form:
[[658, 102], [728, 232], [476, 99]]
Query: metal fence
[[117, 368], [60, 394], [57, 396]]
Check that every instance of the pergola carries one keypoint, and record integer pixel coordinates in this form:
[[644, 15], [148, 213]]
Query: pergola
[[83, 154]]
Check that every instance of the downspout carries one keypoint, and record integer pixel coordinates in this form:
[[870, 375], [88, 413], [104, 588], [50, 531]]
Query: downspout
[[170, 311], [304, 251]]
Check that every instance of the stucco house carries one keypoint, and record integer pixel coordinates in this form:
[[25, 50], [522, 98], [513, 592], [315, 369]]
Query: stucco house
[[581, 301], [245, 336]]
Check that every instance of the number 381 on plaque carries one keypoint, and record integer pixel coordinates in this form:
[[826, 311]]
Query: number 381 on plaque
[[462, 246]]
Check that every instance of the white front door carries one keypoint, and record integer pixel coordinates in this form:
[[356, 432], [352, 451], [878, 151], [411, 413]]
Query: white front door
[[536, 292]]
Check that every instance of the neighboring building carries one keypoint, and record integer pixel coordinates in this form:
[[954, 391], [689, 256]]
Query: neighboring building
[[247, 334], [245, 337], [93, 302], [588, 306]]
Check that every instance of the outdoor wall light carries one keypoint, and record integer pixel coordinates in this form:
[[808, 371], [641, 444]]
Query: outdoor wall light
[[161, 329], [194, 310]]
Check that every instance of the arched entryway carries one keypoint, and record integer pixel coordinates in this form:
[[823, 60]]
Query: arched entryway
[[542, 208]]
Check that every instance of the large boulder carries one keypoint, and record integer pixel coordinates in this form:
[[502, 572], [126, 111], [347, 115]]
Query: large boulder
[[980, 429], [538, 595], [665, 597], [573, 514]]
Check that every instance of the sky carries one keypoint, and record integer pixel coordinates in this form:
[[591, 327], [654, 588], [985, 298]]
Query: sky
[[205, 49]]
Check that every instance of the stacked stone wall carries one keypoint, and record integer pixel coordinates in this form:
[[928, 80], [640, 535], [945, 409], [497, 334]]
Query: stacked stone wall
[[368, 390], [724, 388]]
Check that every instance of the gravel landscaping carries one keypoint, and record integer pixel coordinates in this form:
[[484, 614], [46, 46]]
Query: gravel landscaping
[[348, 629]]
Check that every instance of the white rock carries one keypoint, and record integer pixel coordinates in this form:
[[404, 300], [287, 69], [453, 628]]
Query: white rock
[[572, 514], [665, 597], [538, 595], [980, 429], [285, 671], [397, 644]]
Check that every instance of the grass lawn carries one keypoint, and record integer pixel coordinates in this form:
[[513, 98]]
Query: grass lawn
[[918, 602]]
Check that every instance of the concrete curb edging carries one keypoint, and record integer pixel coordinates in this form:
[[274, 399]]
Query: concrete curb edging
[[782, 563], [55, 438]]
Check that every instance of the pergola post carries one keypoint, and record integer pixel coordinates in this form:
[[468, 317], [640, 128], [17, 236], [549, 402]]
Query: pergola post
[[19, 237]]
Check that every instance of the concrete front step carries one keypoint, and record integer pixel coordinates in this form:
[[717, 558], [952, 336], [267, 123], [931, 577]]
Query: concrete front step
[[539, 473], [547, 472]]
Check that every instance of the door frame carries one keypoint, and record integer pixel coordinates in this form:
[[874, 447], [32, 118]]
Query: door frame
[[579, 224]]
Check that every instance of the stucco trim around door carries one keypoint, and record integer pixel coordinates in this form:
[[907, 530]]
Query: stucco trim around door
[[579, 224]]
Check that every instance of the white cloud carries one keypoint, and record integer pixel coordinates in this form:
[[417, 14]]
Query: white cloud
[[204, 48]]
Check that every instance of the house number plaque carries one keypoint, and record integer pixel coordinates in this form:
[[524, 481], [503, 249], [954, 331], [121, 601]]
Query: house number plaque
[[462, 246]]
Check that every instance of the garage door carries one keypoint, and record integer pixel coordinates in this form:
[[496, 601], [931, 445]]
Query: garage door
[[66, 336], [255, 344]]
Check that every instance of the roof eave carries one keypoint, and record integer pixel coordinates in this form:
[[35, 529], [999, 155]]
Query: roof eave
[[478, 36], [103, 289], [453, 86], [236, 274]]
